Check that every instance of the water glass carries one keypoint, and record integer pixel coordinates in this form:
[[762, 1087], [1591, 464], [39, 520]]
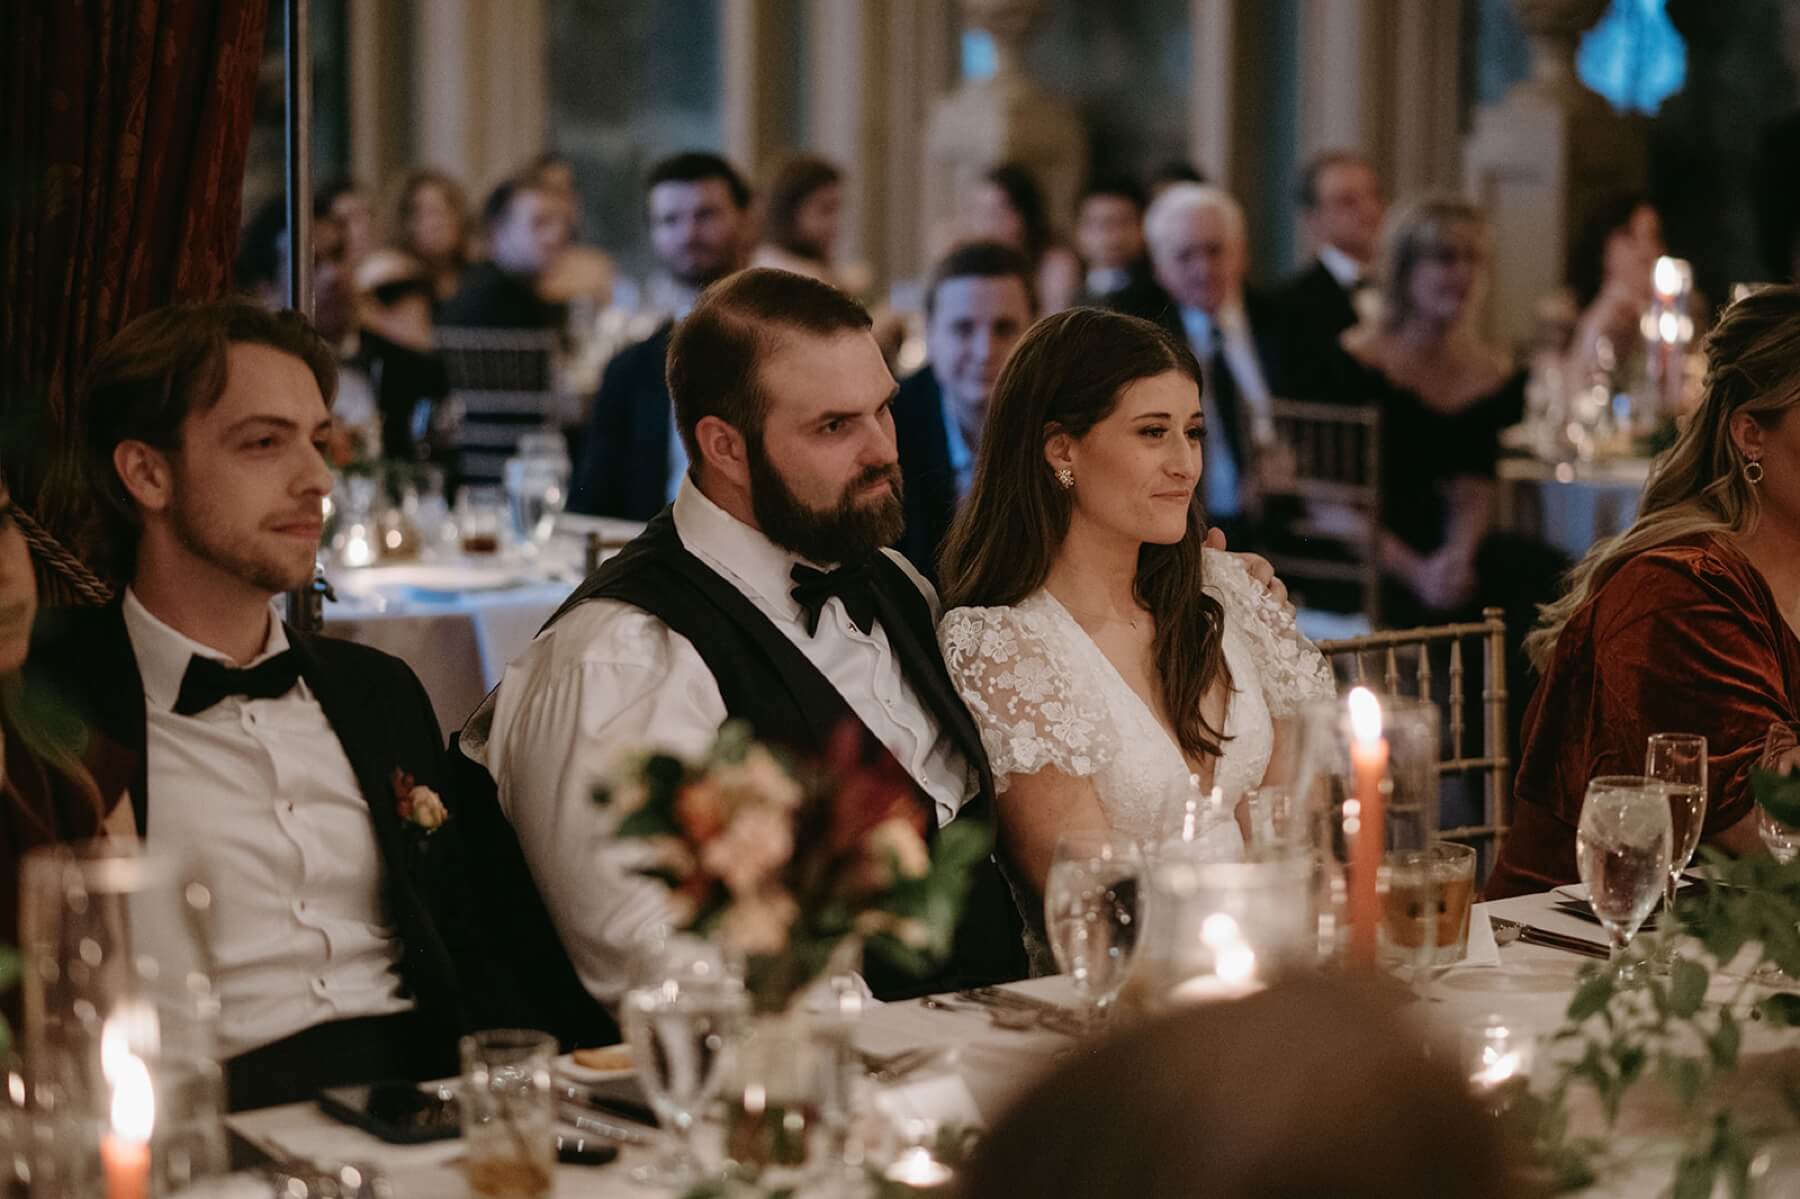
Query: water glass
[[1623, 846], [1276, 823], [1781, 755], [1678, 760], [1091, 913], [681, 1026], [536, 491], [508, 1113], [1195, 822]]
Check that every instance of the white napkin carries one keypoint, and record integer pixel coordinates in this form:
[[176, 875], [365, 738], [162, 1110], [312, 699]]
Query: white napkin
[[1482, 950]]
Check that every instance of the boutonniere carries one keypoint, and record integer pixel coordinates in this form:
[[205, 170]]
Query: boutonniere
[[418, 806]]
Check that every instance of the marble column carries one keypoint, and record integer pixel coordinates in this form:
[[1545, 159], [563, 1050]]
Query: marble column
[[479, 87], [1542, 159]]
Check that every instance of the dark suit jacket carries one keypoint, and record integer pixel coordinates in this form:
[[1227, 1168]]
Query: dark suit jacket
[[927, 479], [1141, 295], [489, 298], [452, 961], [1314, 298], [1314, 312], [624, 469]]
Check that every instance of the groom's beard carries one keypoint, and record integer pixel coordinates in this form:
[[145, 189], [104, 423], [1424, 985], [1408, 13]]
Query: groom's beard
[[848, 531]]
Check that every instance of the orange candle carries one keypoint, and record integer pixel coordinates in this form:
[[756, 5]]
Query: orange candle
[[127, 1166], [1364, 817]]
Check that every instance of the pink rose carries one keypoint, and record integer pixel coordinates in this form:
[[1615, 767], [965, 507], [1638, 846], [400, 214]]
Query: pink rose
[[755, 846], [758, 924]]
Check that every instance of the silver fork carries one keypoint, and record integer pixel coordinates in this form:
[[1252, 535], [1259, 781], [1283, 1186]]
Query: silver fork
[[894, 1066]]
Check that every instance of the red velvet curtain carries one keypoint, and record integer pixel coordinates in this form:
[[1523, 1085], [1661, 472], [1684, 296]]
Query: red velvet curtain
[[122, 143]]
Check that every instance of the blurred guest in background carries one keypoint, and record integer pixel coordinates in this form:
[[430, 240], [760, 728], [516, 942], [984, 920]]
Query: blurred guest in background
[[1109, 234], [431, 222], [802, 219], [1444, 396], [394, 350], [262, 265], [632, 460], [1611, 269], [1201, 254], [1008, 206], [977, 306], [349, 204], [581, 275], [1688, 620], [527, 230], [1342, 204], [1265, 1096]]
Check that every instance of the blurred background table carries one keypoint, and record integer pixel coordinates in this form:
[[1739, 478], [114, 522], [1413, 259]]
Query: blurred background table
[[1570, 505], [458, 621]]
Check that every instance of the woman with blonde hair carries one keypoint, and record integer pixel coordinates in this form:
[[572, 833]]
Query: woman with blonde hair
[[431, 222], [1444, 396], [1686, 621]]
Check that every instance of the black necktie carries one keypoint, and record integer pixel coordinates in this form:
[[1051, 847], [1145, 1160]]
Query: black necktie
[[851, 583], [208, 681]]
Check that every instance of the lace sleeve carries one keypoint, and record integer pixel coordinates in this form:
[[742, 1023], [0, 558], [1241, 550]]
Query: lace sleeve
[[1032, 714], [1292, 671]]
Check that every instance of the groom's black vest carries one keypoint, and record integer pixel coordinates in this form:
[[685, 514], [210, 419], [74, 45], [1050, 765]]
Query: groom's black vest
[[767, 682]]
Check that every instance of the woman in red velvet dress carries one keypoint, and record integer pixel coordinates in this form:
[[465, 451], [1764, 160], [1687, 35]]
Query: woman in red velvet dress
[[1687, 621]]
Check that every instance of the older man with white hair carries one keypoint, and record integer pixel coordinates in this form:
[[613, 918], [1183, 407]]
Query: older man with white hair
[[1200, 252]]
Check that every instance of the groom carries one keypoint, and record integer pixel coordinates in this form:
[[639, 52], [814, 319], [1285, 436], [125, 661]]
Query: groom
[[762, 594]]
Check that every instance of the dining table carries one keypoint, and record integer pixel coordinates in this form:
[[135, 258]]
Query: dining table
[[979, 1065], [1569, 505]]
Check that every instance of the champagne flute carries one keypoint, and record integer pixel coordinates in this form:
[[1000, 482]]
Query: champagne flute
[[1091, 913], [1623, 847], [1781, 755], [1678, 760]]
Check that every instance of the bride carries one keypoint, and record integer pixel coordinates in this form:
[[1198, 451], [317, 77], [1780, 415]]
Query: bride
[[1104, 652]]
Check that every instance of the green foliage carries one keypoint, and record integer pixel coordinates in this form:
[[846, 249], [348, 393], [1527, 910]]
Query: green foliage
[[1623, 1025]]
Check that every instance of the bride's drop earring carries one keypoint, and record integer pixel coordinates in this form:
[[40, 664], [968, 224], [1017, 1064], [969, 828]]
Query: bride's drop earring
[[1065, 478]]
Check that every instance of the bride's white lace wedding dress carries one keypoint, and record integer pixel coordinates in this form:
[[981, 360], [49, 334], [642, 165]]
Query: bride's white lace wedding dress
[[1046, 696]]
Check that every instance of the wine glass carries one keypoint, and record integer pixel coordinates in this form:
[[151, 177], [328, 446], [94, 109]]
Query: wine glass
[[1678, 760], [1091, 913], [1623, 847], [680, 1023], [1781, 755], [1192, 821]]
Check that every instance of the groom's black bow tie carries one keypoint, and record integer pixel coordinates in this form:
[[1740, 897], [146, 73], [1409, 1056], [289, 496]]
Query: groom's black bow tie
[[208, 681], [852, 583]]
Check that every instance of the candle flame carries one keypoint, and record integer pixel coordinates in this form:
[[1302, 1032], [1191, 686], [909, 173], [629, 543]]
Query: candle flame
[[1365, 715], [1669, 276], [133, 1101], [1668, 327]]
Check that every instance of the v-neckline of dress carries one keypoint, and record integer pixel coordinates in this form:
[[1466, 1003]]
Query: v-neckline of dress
[[1143, 707]]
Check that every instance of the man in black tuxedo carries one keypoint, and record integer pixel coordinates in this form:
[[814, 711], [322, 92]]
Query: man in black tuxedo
[[979, 303], [304, 776], [632, 462], [1343, 205], [762, 594], [1109, 235], [1199, 247]]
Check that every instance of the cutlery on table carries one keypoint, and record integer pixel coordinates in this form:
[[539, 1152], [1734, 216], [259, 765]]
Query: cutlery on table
[[1508, 931]]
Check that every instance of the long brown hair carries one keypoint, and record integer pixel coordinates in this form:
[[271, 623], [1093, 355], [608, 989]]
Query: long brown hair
[[1065, 376], [1698, 485]]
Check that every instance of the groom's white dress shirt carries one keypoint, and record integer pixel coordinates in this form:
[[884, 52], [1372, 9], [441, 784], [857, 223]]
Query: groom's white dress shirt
[[608, 677], [260, 795]]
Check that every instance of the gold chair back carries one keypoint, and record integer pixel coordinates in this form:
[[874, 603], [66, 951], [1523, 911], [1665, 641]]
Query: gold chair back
[[1334, 538], [1400, 662]]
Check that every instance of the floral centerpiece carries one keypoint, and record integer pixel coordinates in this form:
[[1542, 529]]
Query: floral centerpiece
[[792, 863]]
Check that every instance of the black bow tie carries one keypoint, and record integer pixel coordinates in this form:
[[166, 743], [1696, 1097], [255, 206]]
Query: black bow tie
[[208, 681], [852, 584]]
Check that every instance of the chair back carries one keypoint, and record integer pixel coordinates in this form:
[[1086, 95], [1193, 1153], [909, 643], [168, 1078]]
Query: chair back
[[1328, 550], [503, 382], [1401, 662]]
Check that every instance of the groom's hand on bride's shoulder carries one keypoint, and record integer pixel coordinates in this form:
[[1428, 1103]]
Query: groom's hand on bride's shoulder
[[1257, 566]]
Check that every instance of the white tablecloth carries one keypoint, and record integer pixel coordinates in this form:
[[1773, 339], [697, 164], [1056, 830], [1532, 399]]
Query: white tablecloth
[[1530, 988], [1570, 505]]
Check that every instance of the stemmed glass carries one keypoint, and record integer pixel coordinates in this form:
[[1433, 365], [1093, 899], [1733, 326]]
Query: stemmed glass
[[1678, 760], [1091, 913], [689, 1012], [1623, 848], [1781, 755]]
